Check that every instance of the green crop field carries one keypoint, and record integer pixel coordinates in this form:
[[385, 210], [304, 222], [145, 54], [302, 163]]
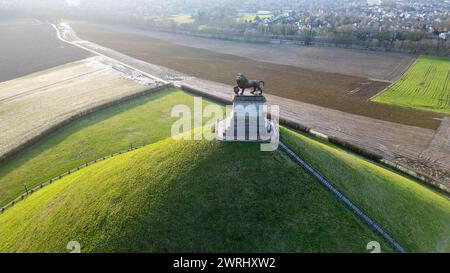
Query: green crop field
[[417, 216], [141, 121], [182, 19], [426, 86], [188, 19], [250, 17]]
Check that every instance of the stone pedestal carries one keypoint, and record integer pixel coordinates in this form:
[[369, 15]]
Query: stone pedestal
[[247, 121]]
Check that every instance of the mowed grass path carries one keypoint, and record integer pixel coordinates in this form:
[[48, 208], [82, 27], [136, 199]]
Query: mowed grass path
[[418, 217], [426, 86], [141, 121], [186, 196]]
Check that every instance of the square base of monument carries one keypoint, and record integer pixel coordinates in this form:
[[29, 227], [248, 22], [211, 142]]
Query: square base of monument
[[222, 126]]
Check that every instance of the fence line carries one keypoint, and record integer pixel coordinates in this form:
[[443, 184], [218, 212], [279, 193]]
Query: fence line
[[65, 122], [73, 170], [344, 199], [355, 209]]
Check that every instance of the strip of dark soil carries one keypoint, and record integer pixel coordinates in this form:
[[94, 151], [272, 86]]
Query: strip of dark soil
[[29, 48]]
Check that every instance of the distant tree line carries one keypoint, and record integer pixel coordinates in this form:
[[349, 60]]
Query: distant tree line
[[222, 24]]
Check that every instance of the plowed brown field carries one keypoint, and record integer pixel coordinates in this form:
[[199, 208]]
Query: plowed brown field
[[341, 92], [28, 47]]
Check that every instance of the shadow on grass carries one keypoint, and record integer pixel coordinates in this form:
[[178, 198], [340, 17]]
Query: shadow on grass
[[234, 198]]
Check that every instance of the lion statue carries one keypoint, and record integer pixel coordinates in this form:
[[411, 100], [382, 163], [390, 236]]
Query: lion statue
[[243, 83]]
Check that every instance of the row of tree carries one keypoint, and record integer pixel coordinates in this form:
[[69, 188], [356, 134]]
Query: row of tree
[[223, 24]]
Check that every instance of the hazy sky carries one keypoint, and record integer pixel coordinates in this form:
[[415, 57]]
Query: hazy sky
[[181, 4]]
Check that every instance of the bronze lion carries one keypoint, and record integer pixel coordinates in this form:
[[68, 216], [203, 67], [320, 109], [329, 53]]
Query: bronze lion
[[243, 83]]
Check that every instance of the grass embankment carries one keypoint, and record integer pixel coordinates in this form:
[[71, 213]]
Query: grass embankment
[[426, 86], [185, 196], [418, 217], [203, 196], [141, 121]]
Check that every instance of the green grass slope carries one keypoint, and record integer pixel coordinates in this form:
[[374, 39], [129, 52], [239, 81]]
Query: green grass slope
[[426, 86], [250, 201], [141, 121], [185, 196], [418, 217]]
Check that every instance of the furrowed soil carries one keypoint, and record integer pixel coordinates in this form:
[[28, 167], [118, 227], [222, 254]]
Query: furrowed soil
[[384, 66], [28, 46], [337, 91]]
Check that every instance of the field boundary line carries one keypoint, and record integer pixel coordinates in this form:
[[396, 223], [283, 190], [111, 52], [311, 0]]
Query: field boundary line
[[344, 199], [393, 82]]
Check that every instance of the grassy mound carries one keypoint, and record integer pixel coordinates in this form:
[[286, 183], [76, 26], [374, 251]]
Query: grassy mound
[[140, 121], [417, 216], [190, 196], [200, 196]]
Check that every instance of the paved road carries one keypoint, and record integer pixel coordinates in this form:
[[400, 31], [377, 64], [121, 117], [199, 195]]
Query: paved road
[[399, 143]]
